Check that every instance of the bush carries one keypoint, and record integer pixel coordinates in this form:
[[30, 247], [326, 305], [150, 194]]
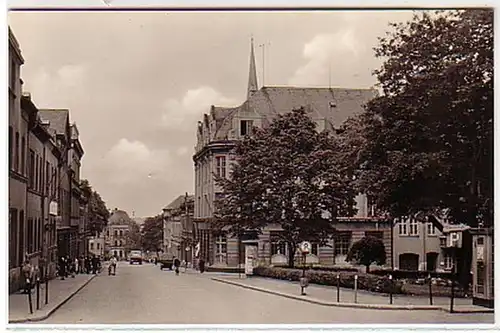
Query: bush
[[325, 268], [365, 281]]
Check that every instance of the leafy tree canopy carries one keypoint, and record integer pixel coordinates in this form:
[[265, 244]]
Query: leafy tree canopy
[[368, 250], [152, 233], [98, 213], [290, 175], [428, 140]]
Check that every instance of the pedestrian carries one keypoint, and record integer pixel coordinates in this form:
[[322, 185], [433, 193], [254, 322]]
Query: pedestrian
[[62, 267], [28, 276], [88, 265], [113, 264], [81, 263], [77, 266], [94, 264], [177, 264], [201, 264], [72, 268]]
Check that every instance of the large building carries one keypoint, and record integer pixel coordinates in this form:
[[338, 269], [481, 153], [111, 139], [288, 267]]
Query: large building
[[223, 126]]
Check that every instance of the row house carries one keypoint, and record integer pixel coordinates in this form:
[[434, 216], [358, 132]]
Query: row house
[[39, 190], [224, 126], [178, 229]]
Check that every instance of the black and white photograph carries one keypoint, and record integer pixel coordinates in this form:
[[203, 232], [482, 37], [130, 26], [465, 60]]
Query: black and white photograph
[[248, 165]]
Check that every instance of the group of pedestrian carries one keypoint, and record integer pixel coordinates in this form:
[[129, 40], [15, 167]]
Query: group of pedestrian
[[82, 265]]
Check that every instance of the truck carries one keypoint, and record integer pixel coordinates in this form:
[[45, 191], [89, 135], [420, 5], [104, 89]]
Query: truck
[[166, 260], [136, 257]]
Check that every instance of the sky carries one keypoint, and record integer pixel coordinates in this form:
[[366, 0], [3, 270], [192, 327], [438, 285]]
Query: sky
[[136, 83]]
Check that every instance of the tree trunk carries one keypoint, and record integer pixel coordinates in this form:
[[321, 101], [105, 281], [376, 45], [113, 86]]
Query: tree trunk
[[367, 269], [291, 255]]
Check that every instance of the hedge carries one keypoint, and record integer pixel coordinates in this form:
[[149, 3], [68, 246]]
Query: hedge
[[326, 268], [365, 281], [411, 274]]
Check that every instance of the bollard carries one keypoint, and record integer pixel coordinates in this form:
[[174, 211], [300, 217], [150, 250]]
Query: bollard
[[38, 293], [391, 285], [430, 289], [46, 289], [452, 293], [30, 301], [338, 288], [355, 288]]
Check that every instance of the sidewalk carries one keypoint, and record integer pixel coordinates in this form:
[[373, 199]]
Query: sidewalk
[[60, 291], [327, 295]]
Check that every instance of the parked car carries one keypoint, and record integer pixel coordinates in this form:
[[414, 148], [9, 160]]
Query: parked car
[[136, 257]]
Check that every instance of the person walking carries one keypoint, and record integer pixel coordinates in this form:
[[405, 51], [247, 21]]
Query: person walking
[[201, 264], [77, 266], [94, 264], [62, 267], [177, 264], [113, 265]]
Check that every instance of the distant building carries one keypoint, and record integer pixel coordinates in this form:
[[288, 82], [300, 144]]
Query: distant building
[[224, 126], [115, 234], [96, 245], [178, 227]]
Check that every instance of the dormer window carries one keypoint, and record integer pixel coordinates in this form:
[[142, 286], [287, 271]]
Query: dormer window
[[246, 127]]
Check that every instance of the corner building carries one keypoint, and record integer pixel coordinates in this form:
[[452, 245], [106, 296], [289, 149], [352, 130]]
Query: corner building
[[222, 127]]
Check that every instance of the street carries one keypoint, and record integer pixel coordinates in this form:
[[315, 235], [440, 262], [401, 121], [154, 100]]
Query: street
[[142, 294]]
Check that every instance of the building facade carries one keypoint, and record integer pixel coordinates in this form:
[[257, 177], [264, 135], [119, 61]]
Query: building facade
[[178, 233], [18, 178], [96, 245], [431, 244], [39, 191], [115, 235], [224, 126]]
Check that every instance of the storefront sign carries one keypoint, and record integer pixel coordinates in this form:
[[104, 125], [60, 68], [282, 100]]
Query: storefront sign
[[53, 208]]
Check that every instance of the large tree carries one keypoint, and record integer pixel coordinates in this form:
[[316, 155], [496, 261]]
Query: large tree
[[428, 137], [287, 174], [98, 213], [152, 233], [368, 250], [133, 238]]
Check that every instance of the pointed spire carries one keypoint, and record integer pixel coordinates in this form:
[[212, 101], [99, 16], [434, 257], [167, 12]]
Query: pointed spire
[[252, 76]]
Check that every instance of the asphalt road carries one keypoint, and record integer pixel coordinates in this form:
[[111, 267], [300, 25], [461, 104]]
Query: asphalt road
[[146, 295]]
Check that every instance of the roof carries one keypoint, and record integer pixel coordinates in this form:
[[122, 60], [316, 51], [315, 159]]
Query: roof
[[58, 119], [335, 105], [119, 217], [178, 202]]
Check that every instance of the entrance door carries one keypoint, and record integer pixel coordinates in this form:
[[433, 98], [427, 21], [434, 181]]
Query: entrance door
[[250, 258], [431, 261]]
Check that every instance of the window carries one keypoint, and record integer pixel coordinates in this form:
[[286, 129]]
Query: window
[[278, 246], [221, 248], [12, 78], [23, 155], [35, 185], [30, 235], [448, 261], [220, 170], [314, 248], [16, 153], [376, 234], [342, 242], [431, 229], [403, 226], [11, 142], [114, 253], [121, 253], [98, 246], [13, 227], [442, 241], [481, 275], [119, 243], [92, 246], [116, 233], [246, 127], [107, 233], [48, 180], [121, 233], [116, 243], [413, 227]]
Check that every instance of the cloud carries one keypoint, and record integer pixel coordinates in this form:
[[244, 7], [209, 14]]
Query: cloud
[[181, 151], [129, 162], [184, 113], [335, 57]]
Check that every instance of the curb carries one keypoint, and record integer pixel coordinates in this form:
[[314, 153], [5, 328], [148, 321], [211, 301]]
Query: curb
[[351, 305], [54, 309]]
